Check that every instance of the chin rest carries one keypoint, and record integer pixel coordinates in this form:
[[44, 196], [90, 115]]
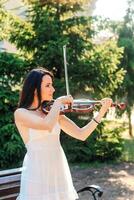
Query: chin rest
[[95, 190]]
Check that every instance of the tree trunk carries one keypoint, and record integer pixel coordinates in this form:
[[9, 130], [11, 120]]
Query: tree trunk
[[129, 122]]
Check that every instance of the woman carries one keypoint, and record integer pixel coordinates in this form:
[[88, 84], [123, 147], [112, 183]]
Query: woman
[[46, 174]]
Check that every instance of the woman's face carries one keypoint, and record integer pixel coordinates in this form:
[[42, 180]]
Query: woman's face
[[47, 88]]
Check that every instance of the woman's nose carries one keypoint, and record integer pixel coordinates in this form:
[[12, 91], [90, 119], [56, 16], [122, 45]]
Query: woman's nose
[[53, 89]]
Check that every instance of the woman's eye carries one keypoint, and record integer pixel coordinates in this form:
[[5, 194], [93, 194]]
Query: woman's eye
[[48, 85]]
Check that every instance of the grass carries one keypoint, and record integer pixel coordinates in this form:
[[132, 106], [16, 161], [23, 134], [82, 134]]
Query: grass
[[95, 164], [128, 153], [128, 142]]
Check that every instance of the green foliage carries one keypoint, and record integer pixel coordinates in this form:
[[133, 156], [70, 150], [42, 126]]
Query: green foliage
[[69, 4], [128, 153], [126, 40], [86, 59], [103, 61], [11, 147], [109, 145], [16, 30], [102, 145]]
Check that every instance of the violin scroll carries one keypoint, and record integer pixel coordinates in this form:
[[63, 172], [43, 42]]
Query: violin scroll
[[121, 106]]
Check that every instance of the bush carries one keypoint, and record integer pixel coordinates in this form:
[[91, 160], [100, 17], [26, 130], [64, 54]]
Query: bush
[[109, 145], [102, 145], [12, 150]]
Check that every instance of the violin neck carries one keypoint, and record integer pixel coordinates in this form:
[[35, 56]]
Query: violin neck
[[86, 102]]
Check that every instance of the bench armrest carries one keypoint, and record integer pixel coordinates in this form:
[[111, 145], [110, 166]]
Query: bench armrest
[[95, 190]]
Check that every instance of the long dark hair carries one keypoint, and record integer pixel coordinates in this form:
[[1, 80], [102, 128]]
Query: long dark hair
[[31, 83]]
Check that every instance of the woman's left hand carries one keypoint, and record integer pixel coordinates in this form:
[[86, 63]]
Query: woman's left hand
[[106, 103]]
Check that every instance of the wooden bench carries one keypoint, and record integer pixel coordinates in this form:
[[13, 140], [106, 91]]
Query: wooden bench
[[10, 185]]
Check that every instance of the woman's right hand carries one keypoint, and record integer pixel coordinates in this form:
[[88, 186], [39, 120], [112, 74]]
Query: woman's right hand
[[65, 99]]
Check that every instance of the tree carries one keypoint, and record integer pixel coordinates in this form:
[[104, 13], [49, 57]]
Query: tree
[[64, 27], [126, 40]]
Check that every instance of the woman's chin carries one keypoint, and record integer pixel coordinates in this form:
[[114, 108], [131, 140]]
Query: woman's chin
[[51, 98], [48, 99]]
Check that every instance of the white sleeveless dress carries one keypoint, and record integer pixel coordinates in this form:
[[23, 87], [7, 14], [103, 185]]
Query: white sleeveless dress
[[45, 173]]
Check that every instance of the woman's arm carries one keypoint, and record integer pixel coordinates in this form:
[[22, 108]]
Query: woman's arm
[[29, 119], [69, 127]]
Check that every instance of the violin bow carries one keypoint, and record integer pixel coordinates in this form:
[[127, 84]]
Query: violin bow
[[66, 72], [83, 101]]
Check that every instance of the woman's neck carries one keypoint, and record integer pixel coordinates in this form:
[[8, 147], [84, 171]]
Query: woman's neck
[[34, 104]]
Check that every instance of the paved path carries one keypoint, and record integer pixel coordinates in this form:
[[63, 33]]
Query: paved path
[[116, 180]]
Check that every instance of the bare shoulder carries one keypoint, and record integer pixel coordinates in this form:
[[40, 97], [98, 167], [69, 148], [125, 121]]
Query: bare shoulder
[[20, 112], [30, 119]]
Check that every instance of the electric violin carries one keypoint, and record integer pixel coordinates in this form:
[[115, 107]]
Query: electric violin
[[79, 106]]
